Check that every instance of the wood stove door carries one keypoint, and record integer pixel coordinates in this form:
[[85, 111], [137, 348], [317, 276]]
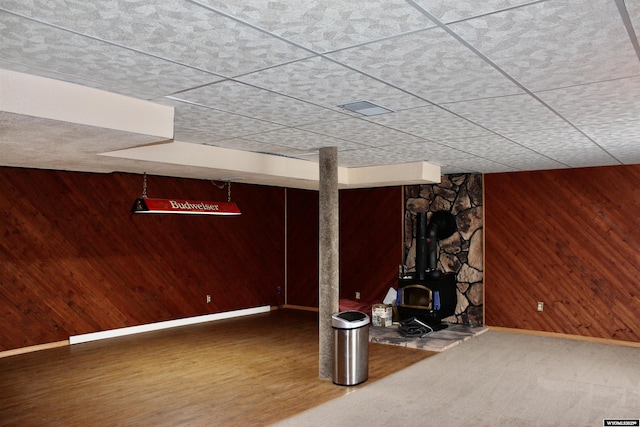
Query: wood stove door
[[416, 296]]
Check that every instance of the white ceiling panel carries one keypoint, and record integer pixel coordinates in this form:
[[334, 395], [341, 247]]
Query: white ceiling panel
[[29, 43], [376, 156], [177, 31], [218, 124], [611, 101], [466, 165], [586, 157], [620, 138], [507, 115], [326, 83], [633, 8], [444, 71], [432, 123], [431, 152], [557, 43], [302, 140], [265, 147], [486, 146], [259, 104], [474, 86], [465, 9], [363, 132], [549, 140], [324, 25], [504, 151], [567, 146]]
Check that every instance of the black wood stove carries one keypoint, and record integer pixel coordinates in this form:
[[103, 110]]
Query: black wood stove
[[428, 294]]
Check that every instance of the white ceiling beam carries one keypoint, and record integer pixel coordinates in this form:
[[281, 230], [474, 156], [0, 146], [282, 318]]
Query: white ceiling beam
[[277, 170], [396, 174], [57, 100]]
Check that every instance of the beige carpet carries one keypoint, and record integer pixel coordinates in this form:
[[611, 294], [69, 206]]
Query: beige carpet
[[434, 341], [497, 379]]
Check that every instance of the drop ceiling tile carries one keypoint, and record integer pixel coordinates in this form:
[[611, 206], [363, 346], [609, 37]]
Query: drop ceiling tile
[[326, 83], [301, 140], [323, 25], [262, 147], [430, 64], [443, 10], [548, 140], [431, 123], [259, 104], [610, 101], [575, 55], [634, 13], [484, 146], [565, 145], [505, 151], [81, 59], [587, 157], [394, 154], [523, 159], [508, 115], [471, 165], [363, 132], [213, 42], [621, 139], [370, 156], [555, 44], [430, 152], [218, 124]]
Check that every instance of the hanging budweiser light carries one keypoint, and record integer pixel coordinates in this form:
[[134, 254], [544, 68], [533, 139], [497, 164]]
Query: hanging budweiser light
[[146, 205], [180, 206]]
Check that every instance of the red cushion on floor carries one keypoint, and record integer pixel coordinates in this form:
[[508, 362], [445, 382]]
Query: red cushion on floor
[[347, 304]]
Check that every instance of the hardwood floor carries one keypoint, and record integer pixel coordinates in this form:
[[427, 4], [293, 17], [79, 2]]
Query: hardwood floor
[[247, 371]]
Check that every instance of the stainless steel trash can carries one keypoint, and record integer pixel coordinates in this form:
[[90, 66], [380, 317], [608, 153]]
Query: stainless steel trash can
[[350, 347]]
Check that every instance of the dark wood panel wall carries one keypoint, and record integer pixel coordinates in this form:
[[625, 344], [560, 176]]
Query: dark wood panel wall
[[570, 239], [370, 244], [302, 248], [73, 260]]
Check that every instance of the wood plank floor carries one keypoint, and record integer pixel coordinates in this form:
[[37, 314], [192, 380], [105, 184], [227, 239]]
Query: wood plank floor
[[248, 371]]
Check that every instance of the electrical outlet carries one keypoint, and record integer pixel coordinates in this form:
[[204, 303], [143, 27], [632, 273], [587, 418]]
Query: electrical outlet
[[357, 295], [540, 306], [208, 299]]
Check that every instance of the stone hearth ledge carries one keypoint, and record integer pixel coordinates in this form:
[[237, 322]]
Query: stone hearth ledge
[[441, 340]]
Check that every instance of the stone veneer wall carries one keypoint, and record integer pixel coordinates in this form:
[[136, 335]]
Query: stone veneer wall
[[461, 253]]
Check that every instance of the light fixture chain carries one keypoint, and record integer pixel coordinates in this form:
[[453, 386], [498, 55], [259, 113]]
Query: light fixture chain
[[228, 184], [144, 186]]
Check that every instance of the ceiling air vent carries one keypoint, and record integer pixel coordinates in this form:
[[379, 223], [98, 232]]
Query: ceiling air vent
[[365, 108]]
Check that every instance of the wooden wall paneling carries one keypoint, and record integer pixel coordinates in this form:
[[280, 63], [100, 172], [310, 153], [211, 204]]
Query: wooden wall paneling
[[370, 242], [568, 238], [74, 260], [302, 248]]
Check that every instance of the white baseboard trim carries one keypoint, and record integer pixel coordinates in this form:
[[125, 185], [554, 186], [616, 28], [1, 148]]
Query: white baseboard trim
[[77, 339]]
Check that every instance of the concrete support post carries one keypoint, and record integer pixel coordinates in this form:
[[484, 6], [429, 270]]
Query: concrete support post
[[329, 255]]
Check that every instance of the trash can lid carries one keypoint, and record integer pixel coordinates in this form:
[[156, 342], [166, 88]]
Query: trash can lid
[[350, 319]]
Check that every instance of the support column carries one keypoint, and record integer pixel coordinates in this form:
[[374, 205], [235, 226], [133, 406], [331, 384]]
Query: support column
[[329, 255]]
